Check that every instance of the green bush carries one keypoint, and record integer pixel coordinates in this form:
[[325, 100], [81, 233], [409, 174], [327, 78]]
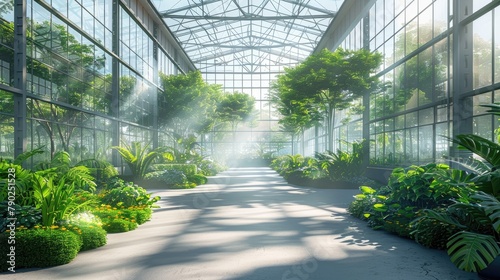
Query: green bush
[[118, 225], [432, 233], [409, 191], [92, 236], [89, 227], [27, 216], [40, 248], [198, 179], [210, 167], [101, 170], [169, 177], [137, 214], [127, 195], [188, 169]]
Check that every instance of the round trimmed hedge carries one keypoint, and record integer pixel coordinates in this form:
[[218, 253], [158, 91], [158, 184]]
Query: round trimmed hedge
[[92, 236], [40, 248]]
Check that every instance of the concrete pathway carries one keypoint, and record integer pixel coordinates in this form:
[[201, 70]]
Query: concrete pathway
[[248, 223]]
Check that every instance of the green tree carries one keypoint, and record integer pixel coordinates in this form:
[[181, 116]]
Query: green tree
[[187, 103], [235, 108], [324, 83]]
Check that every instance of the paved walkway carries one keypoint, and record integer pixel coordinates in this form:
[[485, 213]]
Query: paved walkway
[[248, 223]]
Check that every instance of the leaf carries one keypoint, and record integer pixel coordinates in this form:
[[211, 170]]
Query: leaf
[[491, 207], [360, 196], [472, 251], [482, 147], [367, 190], [380, 207]]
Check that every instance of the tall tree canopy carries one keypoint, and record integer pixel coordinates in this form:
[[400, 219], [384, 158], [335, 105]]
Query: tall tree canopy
[[187, 103], [323, 83], [235, 107]]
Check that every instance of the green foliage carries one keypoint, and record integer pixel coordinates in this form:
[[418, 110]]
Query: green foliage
[[92, 236], [169, 177], [21, 159], [488, 182], [27, 216], [432, 233], [56, 201], [60, 169], [137, 157], [210, 168], [136, 214], [297, 166], [323, 83], [408, 193], [343, 165], [118, 225], [188, 103], [41, 248], [127, 195], [100, 170], [188, 169], [197, 179], [472, 251], [235, 107], [24, 188], [474, 242]]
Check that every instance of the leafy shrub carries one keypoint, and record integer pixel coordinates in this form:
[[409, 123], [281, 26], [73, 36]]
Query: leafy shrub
[[128, 194], [27, 216], [24, 188], [138, 158], [197, 179], [92, 236], [118, 225], [56, 201], [432, 233], [101, 170], [169, 177], [136, 214], [210, 167], [343, 165], [395, 206], [89, 228], [59, 169], [40, 248], [188, 169], [297, 166], [85, 218]]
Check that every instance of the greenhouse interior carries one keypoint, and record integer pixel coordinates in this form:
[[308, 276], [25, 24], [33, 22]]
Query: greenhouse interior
[[254, 139]]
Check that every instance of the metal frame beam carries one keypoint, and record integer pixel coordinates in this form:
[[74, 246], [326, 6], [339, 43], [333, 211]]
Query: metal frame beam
[[20, 75]]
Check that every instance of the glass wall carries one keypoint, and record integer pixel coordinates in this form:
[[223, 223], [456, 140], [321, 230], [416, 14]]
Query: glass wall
[[87, 86], [262, 135], [410, 122]]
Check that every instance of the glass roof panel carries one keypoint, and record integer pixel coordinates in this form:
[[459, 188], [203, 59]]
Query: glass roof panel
[[250, 33]]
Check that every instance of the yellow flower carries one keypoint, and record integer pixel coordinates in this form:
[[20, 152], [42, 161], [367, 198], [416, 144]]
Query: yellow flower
[[63, 228], [37, 226]]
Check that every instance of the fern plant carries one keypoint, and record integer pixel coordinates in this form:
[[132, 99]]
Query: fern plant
[[137, 157], [60, 169]]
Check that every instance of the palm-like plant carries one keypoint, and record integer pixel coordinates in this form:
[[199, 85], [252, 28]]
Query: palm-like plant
[[475, 246], [488, 180], [137, 157]]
